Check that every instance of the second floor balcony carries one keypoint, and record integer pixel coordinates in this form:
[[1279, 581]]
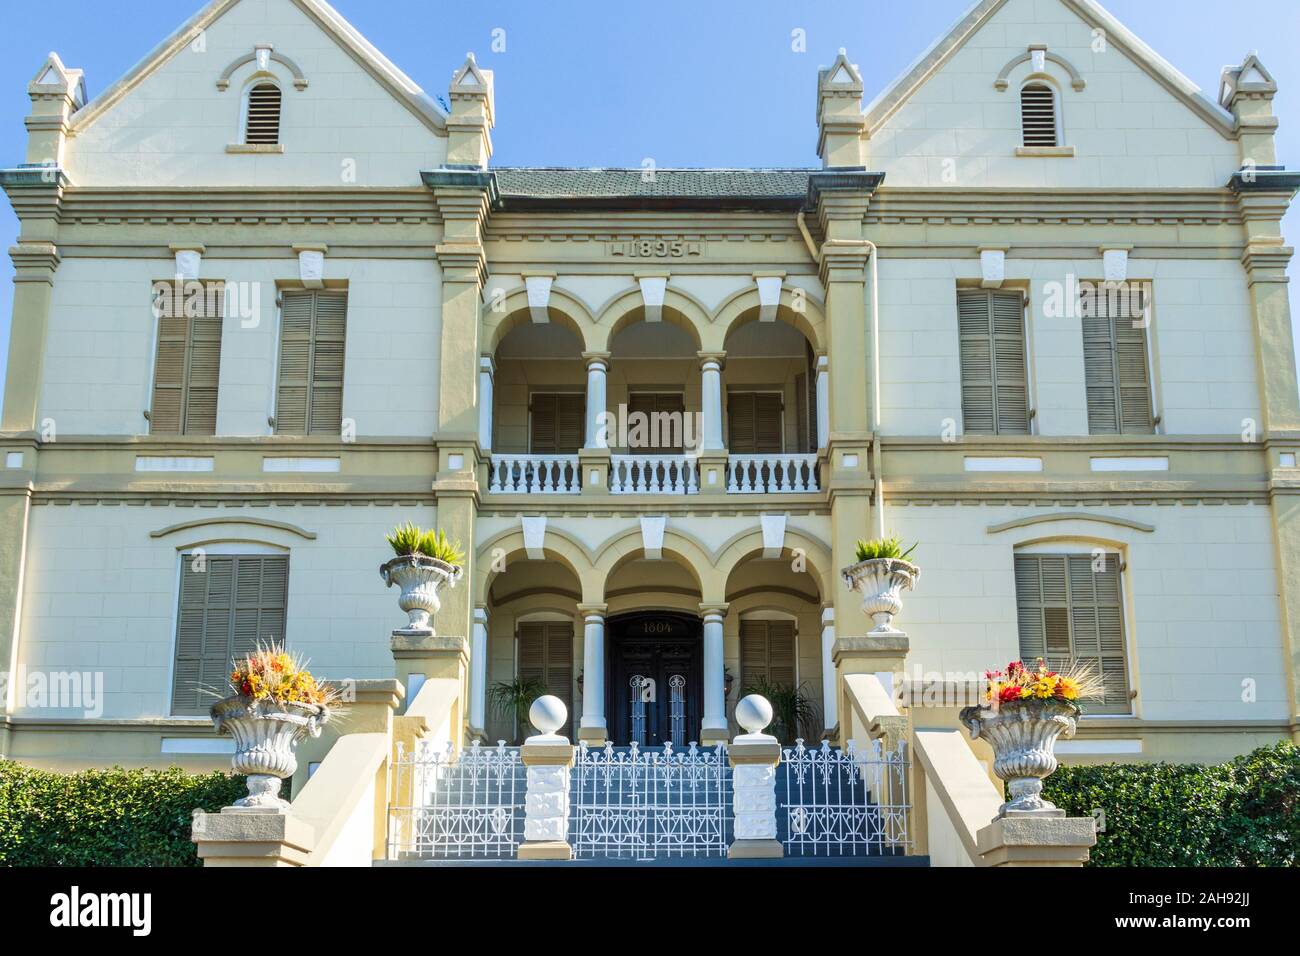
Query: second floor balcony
[[654, 415]]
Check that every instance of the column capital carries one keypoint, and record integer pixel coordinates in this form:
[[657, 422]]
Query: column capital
[[714, 609], [593, 610], [828, 616], [480, 613], [718, 358], [596, 358], [487, 363]]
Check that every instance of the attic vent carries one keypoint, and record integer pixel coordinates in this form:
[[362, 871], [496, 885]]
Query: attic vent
[[263, 124], [1038, 115]]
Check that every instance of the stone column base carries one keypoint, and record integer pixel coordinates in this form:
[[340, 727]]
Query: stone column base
[[755, 850], [593, 736], [545, 850], [711, 737]]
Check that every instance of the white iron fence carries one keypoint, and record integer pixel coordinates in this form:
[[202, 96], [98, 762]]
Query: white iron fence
[[651, 804], [457, 806], [843, 803]]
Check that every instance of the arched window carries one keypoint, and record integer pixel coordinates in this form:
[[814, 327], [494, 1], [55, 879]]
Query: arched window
[[262, 116], [1038, 118]]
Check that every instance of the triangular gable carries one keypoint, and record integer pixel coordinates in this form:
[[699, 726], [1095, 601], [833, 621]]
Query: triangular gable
[[53, 74], [401, 86], [1092, 13]]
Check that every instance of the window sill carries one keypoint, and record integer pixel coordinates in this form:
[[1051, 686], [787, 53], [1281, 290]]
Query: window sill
[[256, 149], [1066, 152]]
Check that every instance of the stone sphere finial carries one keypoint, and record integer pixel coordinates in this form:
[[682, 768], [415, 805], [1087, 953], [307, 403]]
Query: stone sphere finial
[[548, 714], [754, 713]]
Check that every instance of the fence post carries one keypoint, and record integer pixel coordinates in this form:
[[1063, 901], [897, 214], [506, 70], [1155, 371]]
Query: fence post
[[755, 756], [549, 758]]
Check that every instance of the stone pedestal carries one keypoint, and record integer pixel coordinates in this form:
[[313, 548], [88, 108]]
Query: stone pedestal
[[242, 838], [754, 757], [883, 655], [1037, 839], [549, 759]]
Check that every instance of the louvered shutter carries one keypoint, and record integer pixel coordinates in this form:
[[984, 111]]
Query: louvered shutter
[[1115, 361], [652, 404], [558, 423], [767, 653], [754, 423], [313, 340], [263, 127], [188, 365], [1069, 610], [546, 654], [228, 605], [1038, 115], [994, 379]]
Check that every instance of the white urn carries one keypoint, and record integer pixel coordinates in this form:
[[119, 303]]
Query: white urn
[[881, 582], [419, 579], [1023, 737], [266, 733]]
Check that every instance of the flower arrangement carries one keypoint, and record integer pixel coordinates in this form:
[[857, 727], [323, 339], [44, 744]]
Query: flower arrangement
[[1019, 683], [891, 547], [407, 540], [271, 674]]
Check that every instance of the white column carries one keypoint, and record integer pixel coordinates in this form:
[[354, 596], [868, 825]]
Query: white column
[[711, 401], [597, 368], [478, 652], [592, 725], [486, 368], [823, 401], [715, 689], [830, 694]]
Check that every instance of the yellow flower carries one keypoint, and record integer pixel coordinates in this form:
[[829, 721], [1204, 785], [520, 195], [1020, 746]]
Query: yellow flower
[[1068, 687]]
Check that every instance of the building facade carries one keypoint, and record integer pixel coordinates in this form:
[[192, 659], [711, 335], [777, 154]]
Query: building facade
[[272, 300]]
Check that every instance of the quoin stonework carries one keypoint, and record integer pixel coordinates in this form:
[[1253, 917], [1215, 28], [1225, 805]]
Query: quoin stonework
[[1029, 310]]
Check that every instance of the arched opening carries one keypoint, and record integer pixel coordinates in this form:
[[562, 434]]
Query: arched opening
[[1039, 117], [262, 114], [654, 389]]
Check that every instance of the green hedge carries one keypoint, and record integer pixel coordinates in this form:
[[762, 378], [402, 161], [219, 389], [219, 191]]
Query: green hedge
[[105, 817], [1242, 813]]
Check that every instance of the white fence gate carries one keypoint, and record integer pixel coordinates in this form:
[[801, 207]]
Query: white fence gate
[[457, 806], [843, 803], [651, 804]]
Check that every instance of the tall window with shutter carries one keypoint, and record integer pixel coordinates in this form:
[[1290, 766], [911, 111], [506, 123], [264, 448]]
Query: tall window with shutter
[[262, 115], [1039, 122], [557, 422], [767, 653], [994, 376], [546, 653], [754, 423], [1115, 360], [1070, 608], [188, 363], [228, 604], [313, 333]]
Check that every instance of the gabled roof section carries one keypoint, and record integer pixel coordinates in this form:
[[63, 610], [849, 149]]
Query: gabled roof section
[[401, 86], [1117, 35]]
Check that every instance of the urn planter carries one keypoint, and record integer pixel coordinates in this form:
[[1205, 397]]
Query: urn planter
[[881, 582], [1023, 737], [266, 733], [419, 579]]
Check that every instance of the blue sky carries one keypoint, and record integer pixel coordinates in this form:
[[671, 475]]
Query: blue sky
[[702, 83]]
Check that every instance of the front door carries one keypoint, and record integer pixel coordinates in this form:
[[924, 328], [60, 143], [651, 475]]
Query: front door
[[655, 681]]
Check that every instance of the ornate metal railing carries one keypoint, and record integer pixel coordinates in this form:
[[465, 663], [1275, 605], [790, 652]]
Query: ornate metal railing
[[771, 474], [653, 475], [843, 803], [455, 806], [535, 475], [651, 804]]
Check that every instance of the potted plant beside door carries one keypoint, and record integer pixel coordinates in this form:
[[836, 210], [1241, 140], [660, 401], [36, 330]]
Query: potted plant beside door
[[426, 562], [276, 704], [881, 574], [1025, 709]]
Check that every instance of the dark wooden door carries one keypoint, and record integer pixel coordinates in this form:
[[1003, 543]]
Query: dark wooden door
[[656, 678]]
